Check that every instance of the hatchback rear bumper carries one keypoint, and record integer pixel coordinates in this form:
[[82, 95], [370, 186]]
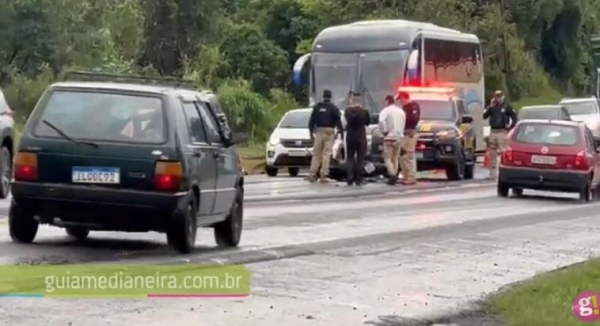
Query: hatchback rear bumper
[[527, 178], [98, 208]]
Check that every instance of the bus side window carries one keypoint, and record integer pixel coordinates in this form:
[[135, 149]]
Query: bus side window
[[413, 65]]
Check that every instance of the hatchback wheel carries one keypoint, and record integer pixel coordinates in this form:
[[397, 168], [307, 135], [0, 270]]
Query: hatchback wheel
[[5, 172], [587, 193], [78, 233], [229, 232], [181, 234], [502, 189], [22, 224]]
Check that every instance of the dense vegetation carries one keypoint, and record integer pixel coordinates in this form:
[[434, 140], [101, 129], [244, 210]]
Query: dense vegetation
[[244, 49]]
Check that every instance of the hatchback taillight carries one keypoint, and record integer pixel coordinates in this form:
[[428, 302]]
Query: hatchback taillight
[[508, 156], [580, 162], [168, 176], [26, 166]]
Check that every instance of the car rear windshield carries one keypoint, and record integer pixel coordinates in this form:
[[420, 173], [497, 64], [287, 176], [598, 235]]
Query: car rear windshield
[[547, 134], [539, 113], [575, 108], [298, 119], [103, 117]]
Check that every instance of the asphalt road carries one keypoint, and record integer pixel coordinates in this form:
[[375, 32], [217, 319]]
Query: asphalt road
[[357, 260]]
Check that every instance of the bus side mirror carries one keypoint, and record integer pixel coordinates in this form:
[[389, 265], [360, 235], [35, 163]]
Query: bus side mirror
[[467, 119]]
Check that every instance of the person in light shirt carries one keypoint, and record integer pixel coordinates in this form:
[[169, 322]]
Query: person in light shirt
[[392, 120]]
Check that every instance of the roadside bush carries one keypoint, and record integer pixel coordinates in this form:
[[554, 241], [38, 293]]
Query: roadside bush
[[23, 93]]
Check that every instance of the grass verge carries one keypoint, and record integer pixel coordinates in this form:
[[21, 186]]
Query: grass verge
[[546, 299], [253, 158]]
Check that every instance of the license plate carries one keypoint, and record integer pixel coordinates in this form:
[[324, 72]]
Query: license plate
[[540, 159], [418, 155], [90, 174], [301, 154], [369, 168]]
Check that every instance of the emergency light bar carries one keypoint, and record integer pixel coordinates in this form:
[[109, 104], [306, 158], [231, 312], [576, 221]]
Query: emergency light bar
[[436, 90]]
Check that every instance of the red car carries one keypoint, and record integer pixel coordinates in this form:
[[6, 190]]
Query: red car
[[550, 155]]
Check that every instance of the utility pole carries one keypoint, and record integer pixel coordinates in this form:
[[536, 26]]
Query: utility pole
[[507, 71]]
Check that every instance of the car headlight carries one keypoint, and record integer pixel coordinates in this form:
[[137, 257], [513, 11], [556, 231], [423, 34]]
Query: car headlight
[[450, 133], [274, 141]]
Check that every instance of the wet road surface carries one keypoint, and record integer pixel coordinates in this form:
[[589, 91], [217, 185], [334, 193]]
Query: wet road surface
[[345, 261]]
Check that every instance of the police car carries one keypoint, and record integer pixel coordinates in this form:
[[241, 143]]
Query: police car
[[446, 135]]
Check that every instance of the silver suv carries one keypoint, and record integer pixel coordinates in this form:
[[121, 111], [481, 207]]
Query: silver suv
[[7, 136], [586, 110]]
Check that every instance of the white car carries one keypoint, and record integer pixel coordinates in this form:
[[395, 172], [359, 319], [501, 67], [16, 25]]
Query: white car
[[585, 110], [289, 145]]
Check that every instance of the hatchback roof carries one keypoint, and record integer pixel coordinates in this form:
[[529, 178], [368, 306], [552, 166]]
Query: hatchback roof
[[159, 89], [109, 81], [554, 122], [545, 106]]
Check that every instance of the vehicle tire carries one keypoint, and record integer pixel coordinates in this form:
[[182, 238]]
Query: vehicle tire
[[22, 224], [586, 194], [181, 233], [503, 189], [271, 171], [78, 233], [6, 167], [229, 232], [518, 192], [470, 171], [456, 171], [293, 172]]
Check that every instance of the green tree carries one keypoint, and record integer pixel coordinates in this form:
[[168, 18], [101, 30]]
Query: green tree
[[253, 57]]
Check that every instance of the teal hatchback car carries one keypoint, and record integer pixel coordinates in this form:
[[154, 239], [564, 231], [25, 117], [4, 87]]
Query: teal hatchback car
[[123, 153]]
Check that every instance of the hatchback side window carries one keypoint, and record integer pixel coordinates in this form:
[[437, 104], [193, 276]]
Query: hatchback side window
[[212, 128], [591, 143], [197, 132]]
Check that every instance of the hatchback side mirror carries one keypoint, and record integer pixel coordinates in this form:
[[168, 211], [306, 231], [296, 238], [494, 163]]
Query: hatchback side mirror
[[238, 138]]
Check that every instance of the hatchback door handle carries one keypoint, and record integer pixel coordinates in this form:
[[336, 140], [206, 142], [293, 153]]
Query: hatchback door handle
[[216, 154], [197, 153]]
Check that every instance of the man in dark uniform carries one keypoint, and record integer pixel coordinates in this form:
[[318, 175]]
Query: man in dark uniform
[[357, 119], [323, 119], [502, 118], [408, 160]]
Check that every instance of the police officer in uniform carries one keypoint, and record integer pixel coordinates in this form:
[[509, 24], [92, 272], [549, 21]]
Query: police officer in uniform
[[357, 119], [502, 118], [325, 117], [408, 160]]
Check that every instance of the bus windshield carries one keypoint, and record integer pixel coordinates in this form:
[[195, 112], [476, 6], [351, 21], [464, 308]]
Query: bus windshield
[[381, 74]]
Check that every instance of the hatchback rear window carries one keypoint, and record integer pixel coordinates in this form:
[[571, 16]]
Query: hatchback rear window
[[103, 117], [547, 134]]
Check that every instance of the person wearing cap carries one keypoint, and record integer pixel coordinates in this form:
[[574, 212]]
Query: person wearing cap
[[502, 118], [408, 160], [325, 117], [357, 120], [392, 120]]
